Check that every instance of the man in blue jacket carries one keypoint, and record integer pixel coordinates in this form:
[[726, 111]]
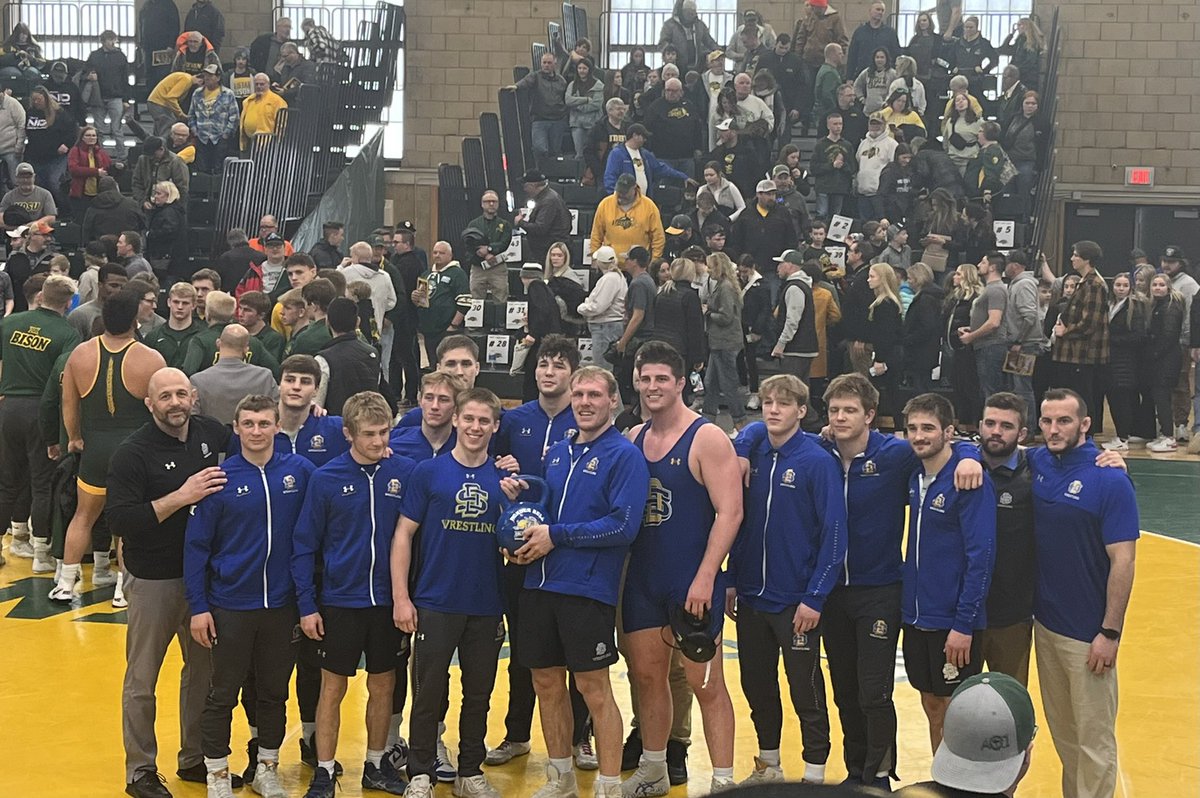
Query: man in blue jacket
[[237, 572], [446, 591], [434, 433], [632, 158], [348, 519], [599, 483], [457, 355], [786, 560], [948, 564]]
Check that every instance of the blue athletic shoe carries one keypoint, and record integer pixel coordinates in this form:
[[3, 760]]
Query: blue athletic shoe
[[322, 784], [382, 778]]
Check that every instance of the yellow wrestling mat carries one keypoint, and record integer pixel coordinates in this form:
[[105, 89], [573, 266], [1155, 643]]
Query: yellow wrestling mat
[[62, 671]]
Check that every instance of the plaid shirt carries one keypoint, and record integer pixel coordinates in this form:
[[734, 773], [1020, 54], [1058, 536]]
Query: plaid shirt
[[322, 48], [1086, 319], [221, 120]]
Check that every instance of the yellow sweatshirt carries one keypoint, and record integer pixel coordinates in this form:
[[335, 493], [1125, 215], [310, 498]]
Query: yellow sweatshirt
[[258, 115], [640, 226], [170, 90]]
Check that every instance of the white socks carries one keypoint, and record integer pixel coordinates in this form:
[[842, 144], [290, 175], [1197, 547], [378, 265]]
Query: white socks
[[563, 766], [375, 757], [769, 757], [268, 755], [216, 765], [814, 773], [722, 774], [327, 765], [69, 575], [101, 560]]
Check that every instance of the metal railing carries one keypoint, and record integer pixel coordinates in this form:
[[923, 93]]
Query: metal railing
[[68, 29], [1043, 198]]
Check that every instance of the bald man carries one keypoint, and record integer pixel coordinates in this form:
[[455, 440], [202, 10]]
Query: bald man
[[220, 387], [156, 475], [181, 142], [676, 127], [259, 110], [436, 298], [485, 240]]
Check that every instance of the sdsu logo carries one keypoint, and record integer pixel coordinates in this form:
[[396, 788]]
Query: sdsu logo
[[289, 484], [393, 487], [658, 505], [1075, 487], [592, 465], [870, 468], [789, 477], [317, 444], [471, 501], [939, 501]]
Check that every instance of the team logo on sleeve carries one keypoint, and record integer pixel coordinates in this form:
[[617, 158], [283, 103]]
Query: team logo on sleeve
[[592, 465], [289, 484], [393, 487], [471, 501], [658, 505], [317, 443]]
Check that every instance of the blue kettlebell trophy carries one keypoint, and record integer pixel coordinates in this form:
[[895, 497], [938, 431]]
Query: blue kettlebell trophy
[[517, 516]]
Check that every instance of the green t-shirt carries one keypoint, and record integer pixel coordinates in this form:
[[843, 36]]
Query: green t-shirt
[[30, 343]]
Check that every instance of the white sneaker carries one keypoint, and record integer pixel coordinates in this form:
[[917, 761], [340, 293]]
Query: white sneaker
[[443, 765], [753, 403], [721, 785], [43, 563], [103, 577], [118, 600], [471, 786], [606, 790], [64, 592], [266, 781], [1182, 433], [1115, 445], [1162, 445], [764, 773], [648, 780], [419, 787], [21, 547], [505, 753], [558, 785], [585, 756], [219, 785], [1136, 440]]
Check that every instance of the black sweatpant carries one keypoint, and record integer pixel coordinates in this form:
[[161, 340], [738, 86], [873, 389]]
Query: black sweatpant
[[761, 636], [400, 691], [23, 463], [1080, 378], [250, 639], [861, 626], [521, 695], [478, 639], [405, 371]]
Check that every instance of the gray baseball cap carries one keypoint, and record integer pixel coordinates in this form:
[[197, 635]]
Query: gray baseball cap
[[989, 727]]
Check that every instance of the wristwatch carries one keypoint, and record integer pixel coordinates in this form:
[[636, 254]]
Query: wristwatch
[[1111, 634]]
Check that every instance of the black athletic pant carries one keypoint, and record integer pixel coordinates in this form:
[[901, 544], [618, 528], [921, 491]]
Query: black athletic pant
[[478, 639], [521, 695], [405, 369], [253, 639], [761, 636], [400, 691], [1080, 378], [308, 678], [861, 626], [23, 463]]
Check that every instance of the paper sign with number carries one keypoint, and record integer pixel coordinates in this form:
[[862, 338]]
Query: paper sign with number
[[574, 220], [1006, 234], [585, 351], [513, 253], [839, 227], [497, 349], [514, 316], [837, 256], [587, 252], [473, 318]]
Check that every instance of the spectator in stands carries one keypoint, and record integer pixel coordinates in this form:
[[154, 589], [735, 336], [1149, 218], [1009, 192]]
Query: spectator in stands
[[739, 163], [924, 47], [27, 203], [972, 56], [634, 159], [688, 34], [268, 274], [932, 169], [764, 231], [264, 50], [627, 218], [49, 134], [231, 378], [874, 154], [294, 70], [544, 218], [196, 53], [110, 279], [764, 35], [206, 19], [637, 61], [541, 319], [885, 333], [1080, 342], [545, 91], [755, 119], [182, 143], [895, 185], [959, 84], [904, 122], [1026, 51], [987, 332], [820, 26], [791, 200], [564, 285], [322, 47], [486, 238], [906, 79], [148, 321], [1168, 311], [267, 225], [1024, 141], [723, 326], [604, 308], [233, 264], [1012, 94], [1128, 344], [21, 55], [581, 51], [158, 28], [585, 104], [12, 135], [868, 38], [31, 251], [607, 133], [325, 253], [750, 50], [254, 312], [240, 79], [854, 120], [87, 162], [679, 318], [707, 91], [833, 167], [164, 101], [93, 259], [960, 133], [129, 250], [674, 122], [766, 89], [975, 233], [214, 121], [873, 84], [167, 232], [259, 111], [986, 174], [436, 298], [707, 214], [898, 254], [922, 342], [614, 87], [64, 92]]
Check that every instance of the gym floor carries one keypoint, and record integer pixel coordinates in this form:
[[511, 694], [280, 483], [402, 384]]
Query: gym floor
[[63, 669]]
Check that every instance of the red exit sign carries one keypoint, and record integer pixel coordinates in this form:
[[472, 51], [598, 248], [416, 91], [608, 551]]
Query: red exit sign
[[1139, 176]]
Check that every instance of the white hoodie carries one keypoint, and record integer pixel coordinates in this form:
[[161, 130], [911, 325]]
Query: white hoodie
[[383, 293], [606, 303], [875, 152]]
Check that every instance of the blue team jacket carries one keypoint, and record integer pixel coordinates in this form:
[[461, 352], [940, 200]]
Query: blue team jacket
[[792, 542], [598, 492], [951, 551], [319, 440], [527, 433], [349, 517], [238, 546]]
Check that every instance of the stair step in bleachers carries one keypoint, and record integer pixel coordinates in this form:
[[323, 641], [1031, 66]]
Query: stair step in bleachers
[[561, 170]]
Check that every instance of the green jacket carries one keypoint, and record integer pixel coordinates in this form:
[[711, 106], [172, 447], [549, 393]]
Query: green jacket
[[273, 341], [172, 344], [30, 343], [444, 288], [202, 352], [309, 340], [983, 171], [825, 93], [498, 233]]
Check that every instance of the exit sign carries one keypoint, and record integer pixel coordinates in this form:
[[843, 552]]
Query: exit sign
[[1139, 176]]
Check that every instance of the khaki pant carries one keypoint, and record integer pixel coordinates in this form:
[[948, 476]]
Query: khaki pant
[[1081, 711], [492, 281], [158, 612], [1006, 650]]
